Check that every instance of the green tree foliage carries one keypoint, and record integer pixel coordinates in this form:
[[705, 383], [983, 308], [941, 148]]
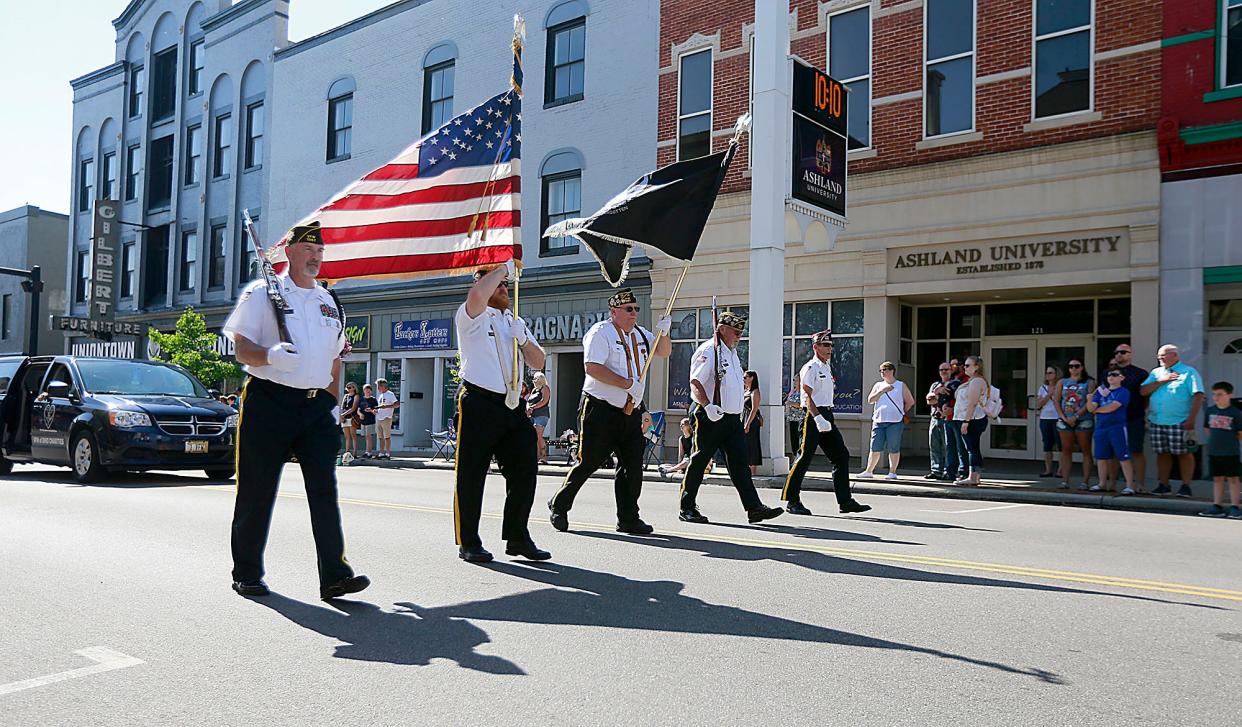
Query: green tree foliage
[[192, 347]]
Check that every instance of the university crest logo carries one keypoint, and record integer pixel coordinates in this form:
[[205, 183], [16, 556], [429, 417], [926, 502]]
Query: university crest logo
[[823, 157]]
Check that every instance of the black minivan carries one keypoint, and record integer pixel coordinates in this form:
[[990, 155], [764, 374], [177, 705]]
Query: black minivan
[[100, 415]]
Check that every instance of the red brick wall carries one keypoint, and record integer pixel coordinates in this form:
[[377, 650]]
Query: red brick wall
[[1127, 89]]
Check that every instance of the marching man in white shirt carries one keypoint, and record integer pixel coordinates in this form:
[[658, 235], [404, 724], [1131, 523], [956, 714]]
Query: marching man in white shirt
[[819, 430], [610, 417], [487, 426], [716, 391]]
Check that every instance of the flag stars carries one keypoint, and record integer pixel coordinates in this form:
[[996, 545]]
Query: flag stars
[[457, 122], [445, 152], [478, 121], [490, 145], [452, 155], [488, 125]]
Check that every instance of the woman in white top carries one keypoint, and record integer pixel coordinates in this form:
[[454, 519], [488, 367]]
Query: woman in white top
[[968, 409], [891, 399], [1048, 416]]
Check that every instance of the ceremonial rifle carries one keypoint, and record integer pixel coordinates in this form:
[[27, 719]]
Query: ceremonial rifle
[[274, 293]]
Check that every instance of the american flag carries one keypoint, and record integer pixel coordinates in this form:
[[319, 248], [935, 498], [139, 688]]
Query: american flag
[[450, 203]]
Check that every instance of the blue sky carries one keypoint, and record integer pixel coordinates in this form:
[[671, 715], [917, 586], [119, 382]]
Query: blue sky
[[45, 44]]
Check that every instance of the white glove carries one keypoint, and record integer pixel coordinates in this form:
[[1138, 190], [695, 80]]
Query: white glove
[[518, 329], [822, 423], [713, 412], [511, 269], [664, 325], [636, 390], [283, 357]]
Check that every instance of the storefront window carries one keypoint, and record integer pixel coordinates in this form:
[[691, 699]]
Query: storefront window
[[1041, 318], [847, 317], [810, 318], [1224, 313], [390, 369], [355, 372], [933, 322], [1114, 316], [448, 394], [965, 321]]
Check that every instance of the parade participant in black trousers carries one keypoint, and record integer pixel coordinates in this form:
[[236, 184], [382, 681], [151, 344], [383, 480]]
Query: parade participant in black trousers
[[287, 404], [614, 353], [819, 430], [486, 425], [716, 390]]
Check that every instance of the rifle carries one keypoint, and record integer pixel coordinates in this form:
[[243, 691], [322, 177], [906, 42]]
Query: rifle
[[716, 351], [274, 294]]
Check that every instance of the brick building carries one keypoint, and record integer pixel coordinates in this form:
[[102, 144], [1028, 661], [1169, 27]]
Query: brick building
[[1200, 137], [1003, 193]]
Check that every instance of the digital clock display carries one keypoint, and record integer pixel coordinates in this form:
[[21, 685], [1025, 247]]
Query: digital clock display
[[819, 97]]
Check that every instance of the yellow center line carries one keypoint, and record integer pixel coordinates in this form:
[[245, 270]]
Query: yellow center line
[[1056, 575]]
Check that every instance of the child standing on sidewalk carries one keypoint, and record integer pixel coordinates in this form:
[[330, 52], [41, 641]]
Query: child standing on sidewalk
[[1108, 403], [1223, 422]]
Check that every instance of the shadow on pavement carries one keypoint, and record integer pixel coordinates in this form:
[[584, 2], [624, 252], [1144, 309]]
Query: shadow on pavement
[[909, 523], [412, 637], [846, 566], [116, 480], [589, 598], [800, 531]]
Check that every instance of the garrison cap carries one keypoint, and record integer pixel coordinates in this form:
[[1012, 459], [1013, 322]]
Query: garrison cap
[[306, 233], [733, 320], [824, 336], [625, 296]]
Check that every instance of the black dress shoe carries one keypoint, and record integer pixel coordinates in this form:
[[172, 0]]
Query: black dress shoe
[[795, 507], [932, 476], [526, 549], [691, 516], [560, 520], [345, 586], [474, 554], [635, 527], [763, 513], [251, 588], [854, 506]]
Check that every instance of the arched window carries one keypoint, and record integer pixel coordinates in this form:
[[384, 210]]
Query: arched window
[[561, 185], [565, 62], [438, 69], [340, 119]]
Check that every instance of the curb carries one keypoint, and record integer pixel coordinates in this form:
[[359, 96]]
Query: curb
[[1169, 505]]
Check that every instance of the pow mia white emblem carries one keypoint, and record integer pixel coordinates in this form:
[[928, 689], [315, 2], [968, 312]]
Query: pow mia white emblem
[[49, 415]]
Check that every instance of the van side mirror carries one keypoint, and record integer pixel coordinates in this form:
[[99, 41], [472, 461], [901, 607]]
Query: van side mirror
[[58, 390]]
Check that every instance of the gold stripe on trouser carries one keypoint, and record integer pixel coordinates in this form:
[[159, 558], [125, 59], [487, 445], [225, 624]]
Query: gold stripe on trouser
[[693, 450], [241, 412], [456, 456], [806, 436]]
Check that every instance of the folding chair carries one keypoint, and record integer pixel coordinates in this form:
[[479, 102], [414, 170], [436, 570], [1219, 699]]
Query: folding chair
[[655, 440], [444, 442]]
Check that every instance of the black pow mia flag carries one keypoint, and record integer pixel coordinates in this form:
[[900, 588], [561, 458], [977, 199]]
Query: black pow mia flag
[[666, 210]]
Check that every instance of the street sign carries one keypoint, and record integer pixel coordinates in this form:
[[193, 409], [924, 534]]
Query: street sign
[[105, 238], [820, 123]]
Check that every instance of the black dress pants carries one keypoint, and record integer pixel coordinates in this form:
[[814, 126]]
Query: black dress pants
[[604, 429], [727, 436], [833, 446], [275, 421], [486, 428]]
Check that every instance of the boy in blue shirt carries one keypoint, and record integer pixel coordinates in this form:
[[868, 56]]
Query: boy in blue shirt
[[1223, 422], [1108, 403]]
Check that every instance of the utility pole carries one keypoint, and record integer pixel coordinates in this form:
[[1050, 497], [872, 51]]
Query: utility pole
[[32, 284], [769, 145]]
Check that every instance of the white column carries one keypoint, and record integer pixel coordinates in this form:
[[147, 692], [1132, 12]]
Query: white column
[[769, 145]]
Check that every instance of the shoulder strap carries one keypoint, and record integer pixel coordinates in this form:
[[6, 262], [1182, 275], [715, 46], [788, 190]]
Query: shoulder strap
[[340, 309]]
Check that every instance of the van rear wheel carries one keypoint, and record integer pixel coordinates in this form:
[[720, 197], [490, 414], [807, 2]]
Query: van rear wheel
[[85, 458]]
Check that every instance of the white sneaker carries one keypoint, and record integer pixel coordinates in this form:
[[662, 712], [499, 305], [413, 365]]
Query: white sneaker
[[890, 476], [1127, 491], [864, 475]]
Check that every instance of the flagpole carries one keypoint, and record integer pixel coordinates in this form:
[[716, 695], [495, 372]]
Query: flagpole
[[513, 395], [668, 310]]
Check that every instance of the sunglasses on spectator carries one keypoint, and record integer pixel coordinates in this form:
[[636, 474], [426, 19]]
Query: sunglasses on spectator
[[1114, 373], [630, 308], [1075, 366], [945, 368], [1122, 350]]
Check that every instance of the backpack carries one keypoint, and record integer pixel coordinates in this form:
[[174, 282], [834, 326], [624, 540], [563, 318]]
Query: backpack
[[993, 405]]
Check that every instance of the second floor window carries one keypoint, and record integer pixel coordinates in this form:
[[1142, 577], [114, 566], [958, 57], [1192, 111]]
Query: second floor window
[[221, 161], [1062, 57], [849, 61], [159, 172], [132, 162], [1231, 44], [949, 70], [129, 266], [109, 176], [164, 84], [83, 263], [193, 154], [437, 95], [562, 199], [136, 80], [340, 126], [215, 257], [196, 68], [254, 135], [566, 63], [694, 105], [86, 184], [189, 261]]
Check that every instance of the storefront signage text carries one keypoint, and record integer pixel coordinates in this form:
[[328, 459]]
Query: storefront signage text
[[820, 119], [112, 349], [1101, 250], [358, 332], [224, 347], [420, 335], [106, 237], [564, 327]]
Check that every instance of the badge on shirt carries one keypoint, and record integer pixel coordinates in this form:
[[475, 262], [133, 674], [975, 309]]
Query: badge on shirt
[[328, 311]]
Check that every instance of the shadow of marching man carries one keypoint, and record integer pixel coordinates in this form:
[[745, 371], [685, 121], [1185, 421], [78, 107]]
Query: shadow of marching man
[[412, 636]]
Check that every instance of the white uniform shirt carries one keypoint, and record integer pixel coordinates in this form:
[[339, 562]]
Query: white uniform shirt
[[817, 376], [483, 363], [385, 398], [703, 370], [603, 345], [314, 325]]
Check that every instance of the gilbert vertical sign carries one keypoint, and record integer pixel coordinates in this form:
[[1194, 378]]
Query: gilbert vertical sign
[[105, 237], [819, 140]]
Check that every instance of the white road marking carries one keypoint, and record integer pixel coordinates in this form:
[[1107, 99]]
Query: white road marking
[[105, 660], [978, 509]]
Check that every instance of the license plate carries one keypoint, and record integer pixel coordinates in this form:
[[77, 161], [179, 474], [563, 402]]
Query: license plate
[[195, 446]]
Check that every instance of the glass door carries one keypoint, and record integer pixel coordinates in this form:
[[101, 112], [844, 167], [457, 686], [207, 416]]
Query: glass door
[[1013, 435]]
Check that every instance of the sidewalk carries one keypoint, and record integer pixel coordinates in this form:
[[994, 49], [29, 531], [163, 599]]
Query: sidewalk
[[1008, 481]]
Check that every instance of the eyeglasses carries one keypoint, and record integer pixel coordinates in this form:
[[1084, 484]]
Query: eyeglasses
[[1122, 350], [1114, 373], [1075, 366], [503, 284], [630, 308], [946, 368]]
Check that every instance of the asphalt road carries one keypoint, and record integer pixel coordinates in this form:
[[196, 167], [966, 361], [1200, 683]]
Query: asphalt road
[[921, 612]]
